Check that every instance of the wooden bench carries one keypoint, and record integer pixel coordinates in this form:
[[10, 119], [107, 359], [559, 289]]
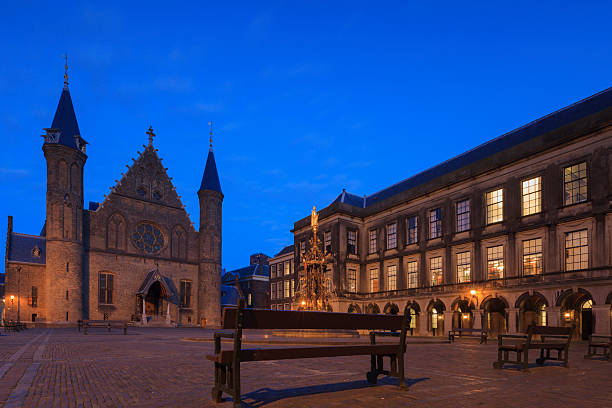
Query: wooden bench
[[467, 332], [12, 326], [105, 324], [604, 343], [227, 362], [551, 338]]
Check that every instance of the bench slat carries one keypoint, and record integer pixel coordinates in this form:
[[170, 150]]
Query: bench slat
[[302, 352], [293, 319]]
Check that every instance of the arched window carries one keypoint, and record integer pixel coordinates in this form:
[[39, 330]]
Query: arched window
[[179, 243], [116, 232]]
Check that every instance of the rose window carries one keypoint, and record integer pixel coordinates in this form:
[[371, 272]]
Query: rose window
[[148, 237]]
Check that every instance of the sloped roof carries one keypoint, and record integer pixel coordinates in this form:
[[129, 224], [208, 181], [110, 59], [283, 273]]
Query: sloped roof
[[229, 295], [210, 179], [539, 127], [245, 273], [286, 250], [65, 120], [21, 248]]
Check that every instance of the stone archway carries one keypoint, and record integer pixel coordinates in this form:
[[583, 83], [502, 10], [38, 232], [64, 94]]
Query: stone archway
[[413, 309], [372, 308], [153, 299], [462, 313], [354, 308], [495, 315], [532, 310], [435, 321], [576, 310], [391, 308]]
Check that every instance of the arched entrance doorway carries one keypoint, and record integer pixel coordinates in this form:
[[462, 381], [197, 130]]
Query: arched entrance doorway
[[532, 310], [576, 309], [413, 309], [495, 319], [462, 313], [435, 322], [153, 299]]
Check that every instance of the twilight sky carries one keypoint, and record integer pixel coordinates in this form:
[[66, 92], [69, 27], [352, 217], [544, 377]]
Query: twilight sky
[[306, 97]]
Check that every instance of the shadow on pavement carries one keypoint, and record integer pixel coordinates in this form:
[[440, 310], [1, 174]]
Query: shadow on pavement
[[265, 396]]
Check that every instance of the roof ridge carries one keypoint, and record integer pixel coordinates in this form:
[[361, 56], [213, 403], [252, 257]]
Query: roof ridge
[[27, 235]]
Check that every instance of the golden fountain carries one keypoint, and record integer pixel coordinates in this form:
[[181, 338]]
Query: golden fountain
[[313, 286]]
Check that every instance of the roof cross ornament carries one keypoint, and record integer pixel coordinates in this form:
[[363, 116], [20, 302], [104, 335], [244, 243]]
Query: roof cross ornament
[[210, 124], [151, 134], [65, 71]]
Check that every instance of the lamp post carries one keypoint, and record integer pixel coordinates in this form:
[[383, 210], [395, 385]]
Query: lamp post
[[13, 303]]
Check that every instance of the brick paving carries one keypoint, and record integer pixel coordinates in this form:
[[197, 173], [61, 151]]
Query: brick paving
[[157, 368]]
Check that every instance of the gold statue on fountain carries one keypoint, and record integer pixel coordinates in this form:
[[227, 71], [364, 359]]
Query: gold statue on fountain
[[313, 285]]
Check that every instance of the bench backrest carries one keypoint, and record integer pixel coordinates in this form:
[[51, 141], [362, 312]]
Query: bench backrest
[[293, 319], [562, 333]]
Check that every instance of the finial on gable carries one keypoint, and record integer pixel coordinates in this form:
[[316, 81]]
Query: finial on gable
[[66, 71], [210, 124], [151, 135]]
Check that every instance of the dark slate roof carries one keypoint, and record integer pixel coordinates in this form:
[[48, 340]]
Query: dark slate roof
[[210, 179], [2, 278], [93, 205], [245, 273], [166, 282], [350, 199], [229, 295], [285, 250], [21, 248], [65, 120], [539, 127]]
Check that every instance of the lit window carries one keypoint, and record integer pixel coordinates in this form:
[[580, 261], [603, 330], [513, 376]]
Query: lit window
[[495, 206], [392, 236], [302, 247], [532, 195], [105, 294], [435, 270], [542, 316], [351, 242], [435, 223], [576, 250], [34, 298], [273, 291], [372, 241], [532, 257], [413, 317], [413, 274], [292, 292], [287, 289], [412, 230], [392, 277], [495, 262], [250, 299], [374, 280], [279, 290], [352, 280], [464, 273], [287, 268], [327, 239], [575, 184], [463, 215], [185, 293], [434, 318]]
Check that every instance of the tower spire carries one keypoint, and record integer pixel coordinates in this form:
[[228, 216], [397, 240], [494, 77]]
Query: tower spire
[[210, 149], [66, 71]]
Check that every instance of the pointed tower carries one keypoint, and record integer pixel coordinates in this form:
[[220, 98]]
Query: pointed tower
[[209, 270], [64, 150]]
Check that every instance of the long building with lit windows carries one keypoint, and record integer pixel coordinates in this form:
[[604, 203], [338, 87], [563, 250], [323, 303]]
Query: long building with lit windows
[[513, 232]]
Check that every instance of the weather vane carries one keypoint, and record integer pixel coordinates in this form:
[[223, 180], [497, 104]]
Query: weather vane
[[66, 70], [210, 124], [151, 134]]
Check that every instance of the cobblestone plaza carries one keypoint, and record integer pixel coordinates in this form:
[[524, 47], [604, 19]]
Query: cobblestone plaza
[[156, 367]]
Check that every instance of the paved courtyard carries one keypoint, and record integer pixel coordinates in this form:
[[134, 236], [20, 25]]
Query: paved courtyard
[[158, 367]]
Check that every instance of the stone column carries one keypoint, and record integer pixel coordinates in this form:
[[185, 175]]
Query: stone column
[[601, 313], [144, 313], [477, 316], [422, 323], [448, 322], [168, 320], [512, 316], [553, 316]]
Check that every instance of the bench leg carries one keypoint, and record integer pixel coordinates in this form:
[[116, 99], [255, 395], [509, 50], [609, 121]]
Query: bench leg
[[400, 372], [236, 385], [372, 375], [525, 361], [220, 381]]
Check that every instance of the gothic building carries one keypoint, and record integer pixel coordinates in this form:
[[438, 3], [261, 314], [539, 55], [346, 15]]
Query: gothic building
[[513, 232], [134, 256]]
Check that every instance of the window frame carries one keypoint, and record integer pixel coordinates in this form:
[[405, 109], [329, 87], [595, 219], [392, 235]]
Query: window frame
[[351, 277], [327, 241], [184, 294], [391, 236], [373, 278], [373, 233], [491, 259], [412, 231], [351, 248], [459, 214], [525, 255], [388, 283], [437, 223], [565, 183], [580, 254], [410, 274], [538, 192], [461, 267], [439, 270], [106, 290], [489, 206]]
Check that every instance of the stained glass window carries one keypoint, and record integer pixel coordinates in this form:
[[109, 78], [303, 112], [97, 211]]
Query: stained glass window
[[148, 238]]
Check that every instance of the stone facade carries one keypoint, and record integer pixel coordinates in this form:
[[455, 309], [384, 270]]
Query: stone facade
[[282, 279], [253, 281], [516, 231], [134, 256]]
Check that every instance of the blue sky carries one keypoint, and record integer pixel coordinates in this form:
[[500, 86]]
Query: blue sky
[[307, 98]]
